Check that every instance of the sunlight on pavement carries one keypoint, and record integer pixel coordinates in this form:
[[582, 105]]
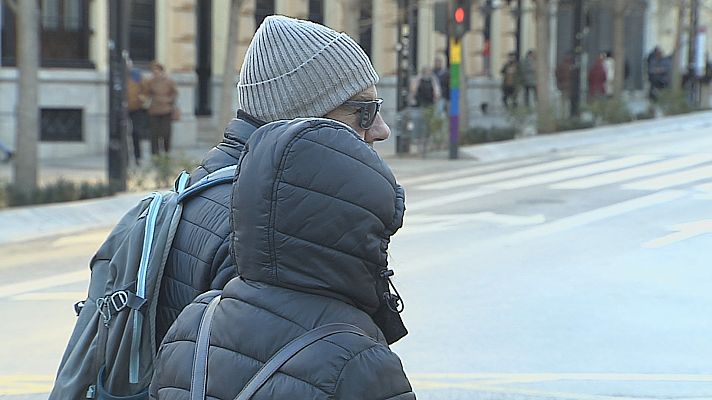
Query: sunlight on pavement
[[25, 384]]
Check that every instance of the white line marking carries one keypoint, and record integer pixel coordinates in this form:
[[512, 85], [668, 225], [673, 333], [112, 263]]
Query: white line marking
[[632, 173], [671, 180], [452, 198], [574, 172], [683, 232], [417, 180], [50, 296], [512, 173], [44, 283], [592, 216], [419, 224]]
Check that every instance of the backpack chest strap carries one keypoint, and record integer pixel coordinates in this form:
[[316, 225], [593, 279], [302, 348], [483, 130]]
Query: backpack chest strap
[[116, 302]]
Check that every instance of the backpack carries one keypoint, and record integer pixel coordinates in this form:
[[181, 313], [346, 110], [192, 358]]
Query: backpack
[[112, 349], [201, 352], [425, 95]]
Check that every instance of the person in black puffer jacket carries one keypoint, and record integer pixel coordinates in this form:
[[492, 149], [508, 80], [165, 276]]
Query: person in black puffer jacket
[[314, 208], [199, 259], [292, 69]]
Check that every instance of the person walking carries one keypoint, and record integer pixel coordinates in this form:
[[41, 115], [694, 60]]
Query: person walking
[[529, 77], [597, 79], [313, 209], [425, 89], [563, 82], [162, 93], [609, 65], [510, 81], [136, 98], [443, 75]]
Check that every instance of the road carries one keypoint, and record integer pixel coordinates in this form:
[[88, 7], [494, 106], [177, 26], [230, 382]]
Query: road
[[582, 275]]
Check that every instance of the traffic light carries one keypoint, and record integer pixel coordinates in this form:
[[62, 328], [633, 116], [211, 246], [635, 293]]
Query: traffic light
[[460, 18]]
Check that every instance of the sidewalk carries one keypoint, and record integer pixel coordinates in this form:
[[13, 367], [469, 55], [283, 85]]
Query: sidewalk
[[26, 223]]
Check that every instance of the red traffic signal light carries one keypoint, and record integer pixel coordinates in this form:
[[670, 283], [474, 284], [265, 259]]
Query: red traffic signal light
[[459, 15]]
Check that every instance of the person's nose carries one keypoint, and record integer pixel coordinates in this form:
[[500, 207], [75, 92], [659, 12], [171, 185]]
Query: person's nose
[[379, 131]]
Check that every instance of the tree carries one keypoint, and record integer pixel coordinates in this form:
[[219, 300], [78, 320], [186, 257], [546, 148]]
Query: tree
[[619, 11], [228, 82], [28, 44], [545, 118], [676, 78]]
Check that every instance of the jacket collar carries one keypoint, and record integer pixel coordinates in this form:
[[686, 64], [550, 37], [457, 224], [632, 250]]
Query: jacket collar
[[241, 127]]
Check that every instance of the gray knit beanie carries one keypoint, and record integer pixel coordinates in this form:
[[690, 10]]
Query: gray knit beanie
[[296, 68]]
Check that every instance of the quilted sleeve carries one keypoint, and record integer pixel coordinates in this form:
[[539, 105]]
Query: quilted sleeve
[[374, 373]]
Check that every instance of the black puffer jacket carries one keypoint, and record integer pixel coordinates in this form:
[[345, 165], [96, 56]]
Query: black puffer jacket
[[199, 259], [314, 209]]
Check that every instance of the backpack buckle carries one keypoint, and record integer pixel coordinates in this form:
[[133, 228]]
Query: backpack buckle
[[119, 300], [78, 307], [101, 303]]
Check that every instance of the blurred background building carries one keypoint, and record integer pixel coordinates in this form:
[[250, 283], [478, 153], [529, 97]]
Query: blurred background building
[[189, 38]]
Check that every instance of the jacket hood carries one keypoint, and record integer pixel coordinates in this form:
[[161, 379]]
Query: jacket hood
[[313, 209]]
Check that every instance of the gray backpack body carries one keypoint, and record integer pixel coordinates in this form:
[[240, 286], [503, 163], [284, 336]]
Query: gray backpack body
[[112, 349]]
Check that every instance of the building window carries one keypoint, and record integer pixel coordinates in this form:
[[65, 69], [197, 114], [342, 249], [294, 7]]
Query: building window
[[365, 25], [316, 11], [142, 31], [263, 8], [64, 34], [61, 125]]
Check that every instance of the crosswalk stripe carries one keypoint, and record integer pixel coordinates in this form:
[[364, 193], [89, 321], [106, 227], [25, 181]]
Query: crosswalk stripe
[[448, 199], [672, 180], [479, 169], [44, 283], [512, 173], [591, 216], [632, 173], [49, 296], [574, 172]]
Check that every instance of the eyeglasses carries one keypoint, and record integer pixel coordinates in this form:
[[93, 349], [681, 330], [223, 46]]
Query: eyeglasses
[[368, 109]]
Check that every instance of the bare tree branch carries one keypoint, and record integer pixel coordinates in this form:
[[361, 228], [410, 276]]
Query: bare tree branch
[[12, 4]]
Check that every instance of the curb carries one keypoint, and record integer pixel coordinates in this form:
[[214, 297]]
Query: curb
[[585, 138], [34, 222]]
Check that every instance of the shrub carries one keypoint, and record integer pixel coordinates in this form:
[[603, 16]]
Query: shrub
[[673, 102], [55, 192], [166, 168], [570, 124], [610, 110], [483, 135]]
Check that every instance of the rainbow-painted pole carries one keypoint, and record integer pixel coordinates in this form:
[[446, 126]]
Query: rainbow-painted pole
[[455, 60]]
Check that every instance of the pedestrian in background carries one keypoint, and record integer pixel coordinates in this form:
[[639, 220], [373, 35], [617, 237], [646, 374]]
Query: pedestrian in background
[[658, 72], [136, 96], [425, 88], [443, 75], [563, 81], [6, 152], [597, 78], [510, 81], [609, 65], [162, 93], [529, 77], [338, 204]]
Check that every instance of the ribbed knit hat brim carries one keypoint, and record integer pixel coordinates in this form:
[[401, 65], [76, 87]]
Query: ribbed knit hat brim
[[296, 68]]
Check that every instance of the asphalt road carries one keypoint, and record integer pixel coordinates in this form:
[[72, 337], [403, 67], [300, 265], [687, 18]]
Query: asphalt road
[[580, 275]]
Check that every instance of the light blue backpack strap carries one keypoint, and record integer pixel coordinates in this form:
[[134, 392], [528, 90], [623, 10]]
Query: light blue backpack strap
[[153, 210], [223, 175], [182, 182]]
